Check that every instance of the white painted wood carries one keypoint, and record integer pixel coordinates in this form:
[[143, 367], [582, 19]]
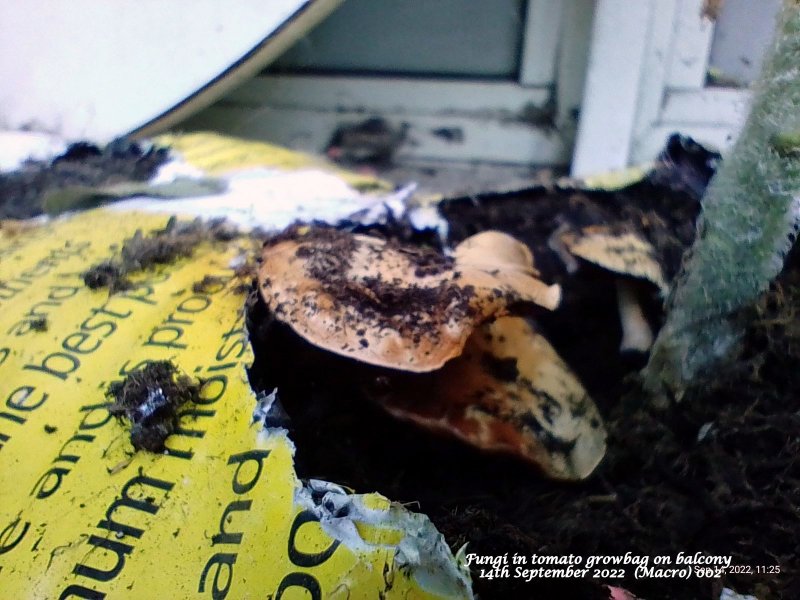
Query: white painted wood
[[724, 107], [691, 46], [543, 30], [719, 137], [744, 31], [573, 59], [89, 68], [488, 136], [499, 121], [302, 112], [671, 95], [661, 39], [712, 116], [619, 42], [394, 96]]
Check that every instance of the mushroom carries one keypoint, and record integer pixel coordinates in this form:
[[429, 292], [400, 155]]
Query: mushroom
[[631, 257], [459, 364], [507, 392], [493, 250], [391, 305]]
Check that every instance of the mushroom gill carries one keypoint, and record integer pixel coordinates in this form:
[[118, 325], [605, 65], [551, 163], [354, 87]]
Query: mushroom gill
[[508, 392]]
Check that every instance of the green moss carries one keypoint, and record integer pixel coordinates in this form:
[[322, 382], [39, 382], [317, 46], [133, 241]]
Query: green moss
[[750, 215], [786, 144]]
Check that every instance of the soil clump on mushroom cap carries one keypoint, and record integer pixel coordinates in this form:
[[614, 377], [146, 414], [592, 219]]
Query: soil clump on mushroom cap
[[379, 302], [329, 253]]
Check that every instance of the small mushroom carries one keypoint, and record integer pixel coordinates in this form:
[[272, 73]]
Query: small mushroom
[[508, 392], [557, 245], [387, 304], [637, 335], [624, 253], [501, 269], [631, 257], [493, 250]]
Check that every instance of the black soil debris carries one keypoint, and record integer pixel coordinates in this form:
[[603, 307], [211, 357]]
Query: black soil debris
[[328, 250], [106, 274], [662, 208], [177, 240], [384, 304], [718, 473], [150, 399], [22, 191], [209, 284], [39, 324], [373, 141]]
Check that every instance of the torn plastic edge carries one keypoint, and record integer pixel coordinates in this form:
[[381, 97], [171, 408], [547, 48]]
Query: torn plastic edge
[[269, 412], [391, 206], [422, 552]]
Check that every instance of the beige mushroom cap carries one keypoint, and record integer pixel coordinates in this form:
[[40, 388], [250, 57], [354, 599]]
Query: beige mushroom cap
[[501, 270], [490, 249], [508, 392], [385, 304], [624, 253]]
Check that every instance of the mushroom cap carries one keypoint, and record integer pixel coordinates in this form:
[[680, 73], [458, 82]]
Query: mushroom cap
[[508, 392], [625, 253], [382, 303], [491, 249], [501, 270]]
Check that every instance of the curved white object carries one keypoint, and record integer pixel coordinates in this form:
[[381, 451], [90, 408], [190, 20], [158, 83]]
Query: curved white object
[[92, 69]]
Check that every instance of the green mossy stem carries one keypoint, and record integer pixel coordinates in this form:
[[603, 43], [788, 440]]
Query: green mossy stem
[[750, 216]]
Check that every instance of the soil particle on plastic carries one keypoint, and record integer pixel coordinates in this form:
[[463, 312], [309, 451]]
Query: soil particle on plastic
[[149, 399], [39, 324], [208, 284], [106, 274], [177, 240]]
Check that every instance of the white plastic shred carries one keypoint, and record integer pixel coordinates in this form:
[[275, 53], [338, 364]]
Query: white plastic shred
[[269, 199]]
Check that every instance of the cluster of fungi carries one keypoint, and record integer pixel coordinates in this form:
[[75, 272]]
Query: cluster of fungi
[[461, 329]]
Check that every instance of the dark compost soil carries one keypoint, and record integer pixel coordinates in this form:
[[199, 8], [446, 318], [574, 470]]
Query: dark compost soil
[[718, 473], [22, 191]]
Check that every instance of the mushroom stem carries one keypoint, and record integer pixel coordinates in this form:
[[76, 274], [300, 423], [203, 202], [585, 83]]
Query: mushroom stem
[[557, 245], [636, 333]]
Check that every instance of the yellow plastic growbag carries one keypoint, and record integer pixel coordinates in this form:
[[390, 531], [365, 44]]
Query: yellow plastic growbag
[[218, 155], [221, 513]]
